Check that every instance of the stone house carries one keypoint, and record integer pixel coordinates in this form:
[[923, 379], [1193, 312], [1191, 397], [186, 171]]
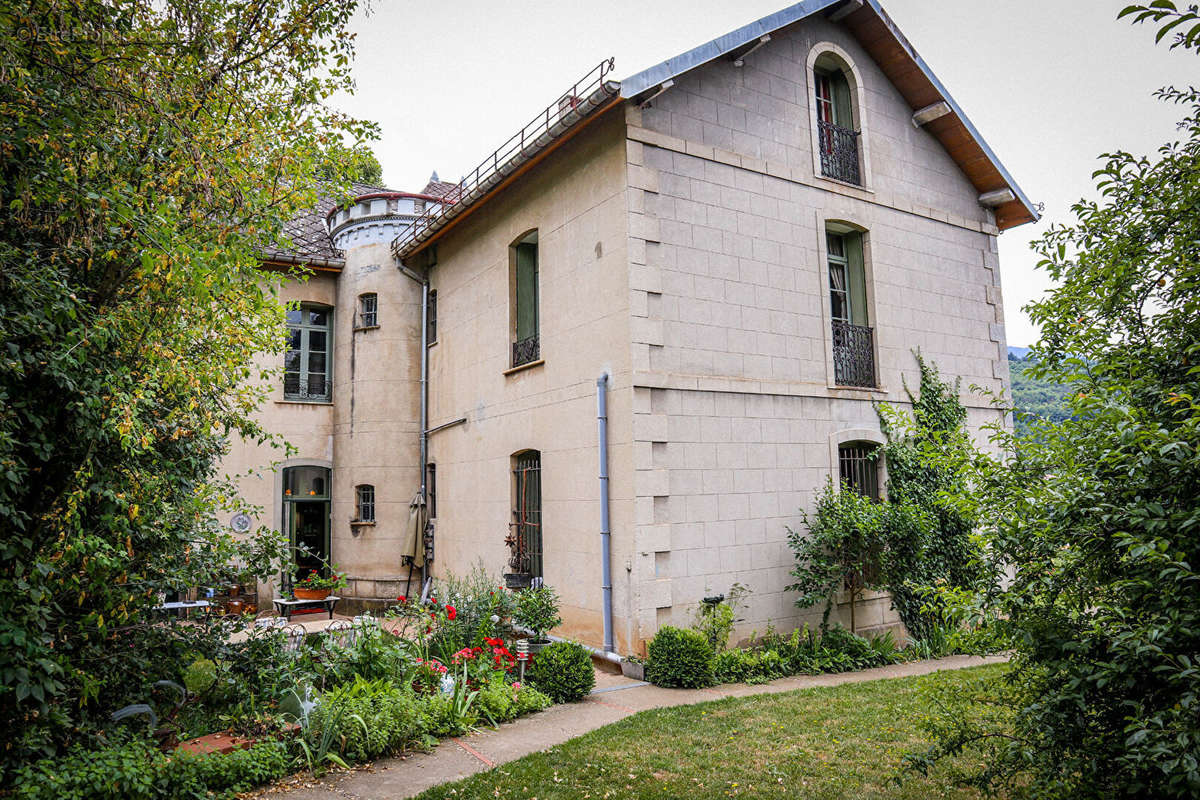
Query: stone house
[[736, 251]]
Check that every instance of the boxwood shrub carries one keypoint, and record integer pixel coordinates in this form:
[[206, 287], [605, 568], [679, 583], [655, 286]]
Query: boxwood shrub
[[680, 658], [564, 672]]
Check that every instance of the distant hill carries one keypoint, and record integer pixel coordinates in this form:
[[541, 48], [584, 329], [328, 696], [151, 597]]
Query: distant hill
[[1032, 396]]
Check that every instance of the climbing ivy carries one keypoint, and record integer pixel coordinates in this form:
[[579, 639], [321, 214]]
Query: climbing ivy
[[946, 553]]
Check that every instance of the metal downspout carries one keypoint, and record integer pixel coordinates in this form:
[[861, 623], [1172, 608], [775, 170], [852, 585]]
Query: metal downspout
[[605, 531], [424, 387]]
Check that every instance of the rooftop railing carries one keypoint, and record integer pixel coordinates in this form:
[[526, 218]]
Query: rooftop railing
[[585, 95]]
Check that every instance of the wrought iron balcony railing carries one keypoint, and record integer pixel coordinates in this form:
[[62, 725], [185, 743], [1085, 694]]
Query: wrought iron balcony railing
[[853, 355], [839, 152], [524, 351]]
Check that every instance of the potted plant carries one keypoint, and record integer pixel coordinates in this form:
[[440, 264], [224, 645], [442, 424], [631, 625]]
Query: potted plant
[[518, 561], [316, 586], [537, 610]]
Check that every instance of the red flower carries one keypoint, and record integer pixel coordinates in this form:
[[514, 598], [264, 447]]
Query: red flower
[[493, 642], [451, 612], [401, 599]]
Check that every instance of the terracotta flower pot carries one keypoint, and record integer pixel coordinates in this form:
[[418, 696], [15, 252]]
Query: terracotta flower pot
[[311, 594]]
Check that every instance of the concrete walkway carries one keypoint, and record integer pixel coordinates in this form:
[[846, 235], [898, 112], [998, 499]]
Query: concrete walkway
[[614, 698]]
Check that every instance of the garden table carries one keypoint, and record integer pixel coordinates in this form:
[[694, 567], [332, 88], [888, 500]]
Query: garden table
[[181, 608], [286, 607]]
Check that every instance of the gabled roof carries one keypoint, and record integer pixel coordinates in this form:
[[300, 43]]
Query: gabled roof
[[907, 71]]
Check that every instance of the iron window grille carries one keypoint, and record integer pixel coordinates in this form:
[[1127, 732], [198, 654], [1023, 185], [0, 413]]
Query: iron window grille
[[307, 366], [431, 319], [525, 351], [839, 152], [368, 310], [858, 468], [853, 354], [365, 503], [527, 508], [431, 489]]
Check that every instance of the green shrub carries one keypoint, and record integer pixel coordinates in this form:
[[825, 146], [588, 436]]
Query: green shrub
[[372, 718], [136, 770], [440, 715], [537, 609], [227, 774], [530, 700], [680, 658], [129, 770], [496, 703], [564, 672]]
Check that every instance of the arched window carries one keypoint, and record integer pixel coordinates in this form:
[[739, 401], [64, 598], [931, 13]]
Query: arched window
[[838, 118], [368, 310], [526, 544], [524, 256], [858, 468], [308, 367], [364, 503]]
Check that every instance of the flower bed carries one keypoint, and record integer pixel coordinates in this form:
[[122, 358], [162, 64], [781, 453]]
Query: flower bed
[[426, 671]]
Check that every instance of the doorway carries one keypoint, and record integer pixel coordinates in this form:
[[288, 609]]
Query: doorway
[[306, 518]]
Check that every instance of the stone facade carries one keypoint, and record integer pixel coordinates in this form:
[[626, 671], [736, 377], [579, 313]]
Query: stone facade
[[682, 253]]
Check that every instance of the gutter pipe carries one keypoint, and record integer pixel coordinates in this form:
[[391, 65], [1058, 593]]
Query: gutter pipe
[[424, 388], [605, 529]]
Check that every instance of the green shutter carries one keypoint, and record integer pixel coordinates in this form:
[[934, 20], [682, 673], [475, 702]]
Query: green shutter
[[842, 113], [856, 278], [527, 290]]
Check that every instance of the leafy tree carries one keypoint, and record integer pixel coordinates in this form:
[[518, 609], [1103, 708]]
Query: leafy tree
[[1034, 398], [1098, 516], [150, 151]]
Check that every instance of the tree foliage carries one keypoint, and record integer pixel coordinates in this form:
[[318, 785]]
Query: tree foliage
[[150, 151], [1098, 516], [1034, 398]]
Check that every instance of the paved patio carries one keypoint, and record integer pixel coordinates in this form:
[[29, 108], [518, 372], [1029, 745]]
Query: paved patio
[[614, 698]]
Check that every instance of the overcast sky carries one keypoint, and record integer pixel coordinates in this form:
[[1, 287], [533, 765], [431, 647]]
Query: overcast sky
[[1049, 83]]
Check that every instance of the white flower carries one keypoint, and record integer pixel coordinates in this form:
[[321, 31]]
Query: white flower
[[494, 619]]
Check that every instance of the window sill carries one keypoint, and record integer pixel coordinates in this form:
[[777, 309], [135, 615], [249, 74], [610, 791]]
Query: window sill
[[431, 345], [862, 187], [366, 328], [837, 387], [296, 401], [513, 370], [362, 523]]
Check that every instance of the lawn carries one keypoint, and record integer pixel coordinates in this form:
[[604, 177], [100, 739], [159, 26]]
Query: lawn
[[835, 743]]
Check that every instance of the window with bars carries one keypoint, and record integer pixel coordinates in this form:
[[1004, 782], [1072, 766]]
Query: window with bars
[[526, 346], [431, 319], [527, 508], [307, 370], [368, 310], [431, 489], [364, 503], [858, 468]]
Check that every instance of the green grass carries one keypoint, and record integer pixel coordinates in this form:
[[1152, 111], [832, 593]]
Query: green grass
[[842, 742]]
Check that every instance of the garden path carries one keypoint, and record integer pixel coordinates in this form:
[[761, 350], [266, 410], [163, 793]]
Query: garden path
[[614, 698]]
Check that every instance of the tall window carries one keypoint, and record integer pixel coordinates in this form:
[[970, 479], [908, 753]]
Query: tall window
[[431, 319], [364, 503], [307, 366], [858, 468], [853, 338], [368, 310], [527, 507], [431, 489], [526, 346], [837, 132]]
